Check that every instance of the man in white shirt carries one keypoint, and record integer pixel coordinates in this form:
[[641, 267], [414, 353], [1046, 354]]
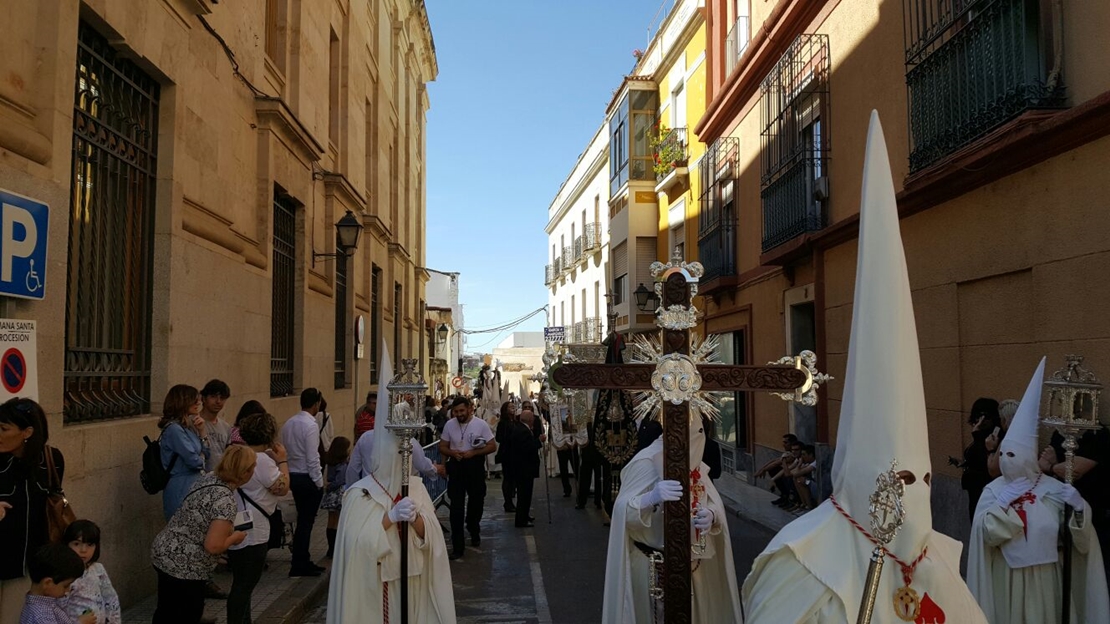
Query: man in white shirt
[[213, 396], [361, 457], [301, 439], [465, 442]]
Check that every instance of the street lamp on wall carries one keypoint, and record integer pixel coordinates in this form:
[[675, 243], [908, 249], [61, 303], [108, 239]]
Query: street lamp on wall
[[645, 299], [347, 232], [441, 333]]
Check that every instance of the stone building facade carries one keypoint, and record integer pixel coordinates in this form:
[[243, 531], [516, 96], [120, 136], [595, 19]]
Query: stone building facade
[[995, 113], [195, 156]]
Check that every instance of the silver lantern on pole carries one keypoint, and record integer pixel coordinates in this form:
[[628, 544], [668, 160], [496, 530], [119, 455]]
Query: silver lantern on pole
[[1073, 393], [406, 390]]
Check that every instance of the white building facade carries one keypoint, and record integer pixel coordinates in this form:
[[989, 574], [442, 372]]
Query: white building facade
[[577, 273], [445, 313]]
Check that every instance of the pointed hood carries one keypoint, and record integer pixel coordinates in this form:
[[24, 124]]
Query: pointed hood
[[882, 416], [1021, 438], [385, 459]]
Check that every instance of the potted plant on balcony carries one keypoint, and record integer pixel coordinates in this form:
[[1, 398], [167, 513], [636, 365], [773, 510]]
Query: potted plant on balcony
[[667, 152]]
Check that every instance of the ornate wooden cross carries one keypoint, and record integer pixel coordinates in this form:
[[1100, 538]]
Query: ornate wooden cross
[[677, 378]]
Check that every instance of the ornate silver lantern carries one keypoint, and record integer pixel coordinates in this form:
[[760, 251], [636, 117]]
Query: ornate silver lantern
[[406, 419], [1073, 393]]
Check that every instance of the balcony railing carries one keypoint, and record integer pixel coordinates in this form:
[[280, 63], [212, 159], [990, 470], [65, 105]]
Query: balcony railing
[[717, 218], [568, 258], [557, 267], [971, 66], [586, 331], [591, 238], [790, 204], [578, 249], [549, 274], [670, 152], [736, 42]]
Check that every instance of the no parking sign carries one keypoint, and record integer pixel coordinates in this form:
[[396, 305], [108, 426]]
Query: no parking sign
[[18, 360]]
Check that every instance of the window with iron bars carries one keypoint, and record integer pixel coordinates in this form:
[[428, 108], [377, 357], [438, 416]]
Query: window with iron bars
[[973, 65], [341, 321], [283, 295], [111, 216], [375, 320], [794, 112], [718, 214]]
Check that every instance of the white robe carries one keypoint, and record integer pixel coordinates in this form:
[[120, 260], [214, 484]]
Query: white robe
[[366, 555], [1031, 590], [814, 571], [715, 598]]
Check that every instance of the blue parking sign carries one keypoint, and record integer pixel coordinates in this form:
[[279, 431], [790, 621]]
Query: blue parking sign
[[24, 226]]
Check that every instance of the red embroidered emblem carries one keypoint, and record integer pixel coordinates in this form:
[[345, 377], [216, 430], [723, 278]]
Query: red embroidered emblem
[[1019, 507], [931, 613]]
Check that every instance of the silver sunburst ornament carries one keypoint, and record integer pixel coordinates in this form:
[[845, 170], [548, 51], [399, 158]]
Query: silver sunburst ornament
[[678, 377]]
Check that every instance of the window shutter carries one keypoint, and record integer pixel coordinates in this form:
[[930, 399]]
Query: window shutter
[[646, 254], [620, 260]]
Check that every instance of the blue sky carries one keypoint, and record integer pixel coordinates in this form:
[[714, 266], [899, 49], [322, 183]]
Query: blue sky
[[522, 87]]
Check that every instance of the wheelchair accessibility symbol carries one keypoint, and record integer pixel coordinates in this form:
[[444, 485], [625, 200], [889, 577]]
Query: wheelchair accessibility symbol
[[33, 281]]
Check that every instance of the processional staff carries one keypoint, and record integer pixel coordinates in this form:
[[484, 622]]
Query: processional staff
[[1073, 393], [405, 423]]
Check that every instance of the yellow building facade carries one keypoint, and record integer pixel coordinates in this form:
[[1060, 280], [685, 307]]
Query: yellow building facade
[[195, 157]]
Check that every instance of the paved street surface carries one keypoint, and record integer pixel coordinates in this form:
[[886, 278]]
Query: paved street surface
[[553, 573]]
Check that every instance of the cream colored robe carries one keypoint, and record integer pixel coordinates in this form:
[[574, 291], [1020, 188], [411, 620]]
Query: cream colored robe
[[1033, 594], [715, 597], [366, 555], [814, 571]]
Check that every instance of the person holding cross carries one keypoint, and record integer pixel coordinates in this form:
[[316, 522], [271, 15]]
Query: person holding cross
[[636, 541], [816, 568], [1015, 568]]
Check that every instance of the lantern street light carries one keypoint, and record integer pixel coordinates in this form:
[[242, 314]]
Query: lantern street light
[[347, 232], [441, 333], [645, 299]]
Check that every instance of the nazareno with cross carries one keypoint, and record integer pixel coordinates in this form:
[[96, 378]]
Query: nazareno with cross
[[676, 377]]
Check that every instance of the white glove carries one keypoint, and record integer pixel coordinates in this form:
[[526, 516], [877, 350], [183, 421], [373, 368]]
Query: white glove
[[703, 519], [664, 491], [1068, 494], [1013, 490], [403, 511]]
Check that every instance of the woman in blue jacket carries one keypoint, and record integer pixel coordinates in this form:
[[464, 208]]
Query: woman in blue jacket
[[184, 444]]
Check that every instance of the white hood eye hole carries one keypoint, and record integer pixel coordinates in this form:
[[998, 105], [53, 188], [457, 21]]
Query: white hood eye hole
[[1009, 454]]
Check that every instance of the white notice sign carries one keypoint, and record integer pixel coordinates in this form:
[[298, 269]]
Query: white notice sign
[[18, 360]]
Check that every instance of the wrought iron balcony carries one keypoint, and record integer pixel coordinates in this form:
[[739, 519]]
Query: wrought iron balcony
[[790, 203], [717, 218], [557, 267], [577, 331], [578, 249], [549, 274], [736, 42], [568, 258], [671, 152], [591, 237], [973, 65]]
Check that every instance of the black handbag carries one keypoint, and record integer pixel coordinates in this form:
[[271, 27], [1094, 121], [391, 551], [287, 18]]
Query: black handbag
[[277, 525]]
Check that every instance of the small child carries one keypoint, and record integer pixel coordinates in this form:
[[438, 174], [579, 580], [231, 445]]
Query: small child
[[53, 569], [93, 592], [336, 459]]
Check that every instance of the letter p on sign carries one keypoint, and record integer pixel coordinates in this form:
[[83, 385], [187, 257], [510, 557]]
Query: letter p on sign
[[23, 241]]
